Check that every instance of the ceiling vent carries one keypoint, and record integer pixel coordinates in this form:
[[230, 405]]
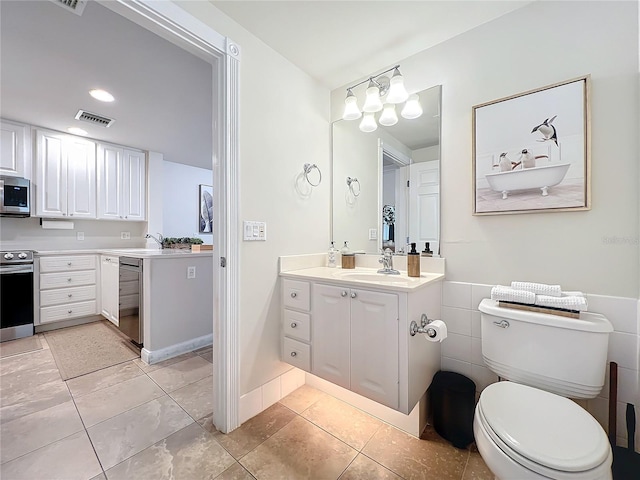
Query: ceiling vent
[[75, 6], [94, 118]]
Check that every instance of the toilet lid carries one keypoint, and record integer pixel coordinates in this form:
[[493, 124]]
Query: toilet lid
[[545, 428]]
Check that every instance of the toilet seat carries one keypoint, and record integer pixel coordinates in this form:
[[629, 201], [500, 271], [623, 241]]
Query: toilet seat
[[523, 422]]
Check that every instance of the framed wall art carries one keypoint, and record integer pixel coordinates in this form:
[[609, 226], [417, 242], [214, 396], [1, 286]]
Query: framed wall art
[[206, 209], [531, 151]]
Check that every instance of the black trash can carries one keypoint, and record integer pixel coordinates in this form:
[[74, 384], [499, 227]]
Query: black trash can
[[452, 398]]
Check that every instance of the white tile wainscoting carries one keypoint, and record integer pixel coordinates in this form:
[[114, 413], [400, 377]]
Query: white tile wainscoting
[[462, 350]]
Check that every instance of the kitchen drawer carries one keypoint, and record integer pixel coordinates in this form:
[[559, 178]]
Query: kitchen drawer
[[64, 312], [297, 354], [296, 294], [297, 325], [129, 288], [67, 263], [67, 295], [67, 279]]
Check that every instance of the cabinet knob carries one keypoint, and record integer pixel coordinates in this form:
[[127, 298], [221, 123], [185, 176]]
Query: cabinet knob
[[294, 294], [69, 279], [69, 311], [354, 294], [64, 214], [294, 354], [69, 263], [294, 324], [126, 216], [344, 293], [69, 295], [71, 214]]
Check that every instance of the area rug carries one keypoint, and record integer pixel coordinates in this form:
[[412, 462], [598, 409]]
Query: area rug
[[88, 348], [22, 345]]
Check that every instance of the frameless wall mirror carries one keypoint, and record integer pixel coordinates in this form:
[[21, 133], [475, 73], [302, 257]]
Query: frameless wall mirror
[[397, 198]]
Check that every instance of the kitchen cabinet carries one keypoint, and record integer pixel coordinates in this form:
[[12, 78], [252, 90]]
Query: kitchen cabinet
[[121, 183], [109, 288], [67, 287], [296, 324], [65, 176], [15, 149]]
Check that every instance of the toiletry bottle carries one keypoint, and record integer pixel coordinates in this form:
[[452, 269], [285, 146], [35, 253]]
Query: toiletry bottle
[[413, 262], [348, 258], [427, 251], [345, 248], [332, 256]]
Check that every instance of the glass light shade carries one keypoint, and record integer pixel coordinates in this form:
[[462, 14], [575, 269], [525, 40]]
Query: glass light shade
[[368, 123], [388, 116], [351, 110], [412, 109], [397, 92], [373, 102]]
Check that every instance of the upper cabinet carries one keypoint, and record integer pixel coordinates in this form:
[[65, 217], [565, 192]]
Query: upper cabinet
[[121, 183], [15, 149], [65, 176]]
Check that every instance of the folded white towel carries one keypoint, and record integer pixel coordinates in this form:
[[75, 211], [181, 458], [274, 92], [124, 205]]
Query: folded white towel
[[508, 294], [569, 302], [538, 288]]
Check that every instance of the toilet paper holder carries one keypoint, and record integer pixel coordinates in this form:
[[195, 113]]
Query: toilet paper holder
[[424, 320]]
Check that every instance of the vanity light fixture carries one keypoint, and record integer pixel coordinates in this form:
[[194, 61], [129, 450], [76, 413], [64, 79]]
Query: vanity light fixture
[[77, 131], [379, 86], [101, 95]]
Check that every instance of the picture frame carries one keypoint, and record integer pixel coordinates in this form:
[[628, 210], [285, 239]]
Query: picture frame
[[532, 151], [205, 209]]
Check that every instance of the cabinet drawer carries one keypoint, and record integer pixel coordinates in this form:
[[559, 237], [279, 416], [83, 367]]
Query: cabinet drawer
[[64, 312], [296, 294], [67, 295], [67, 263], [129, 288], [297, 325], [67, 279], [297, 354]]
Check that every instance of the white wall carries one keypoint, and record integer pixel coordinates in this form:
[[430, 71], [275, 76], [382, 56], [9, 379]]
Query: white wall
[[595, 251], [284, 123]]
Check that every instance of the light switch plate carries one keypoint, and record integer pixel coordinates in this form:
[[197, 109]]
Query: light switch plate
[[125, 235], [254, 231], [373, 234]]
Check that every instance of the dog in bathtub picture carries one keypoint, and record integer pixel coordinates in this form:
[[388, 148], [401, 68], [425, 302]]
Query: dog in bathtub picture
[[530, 151]]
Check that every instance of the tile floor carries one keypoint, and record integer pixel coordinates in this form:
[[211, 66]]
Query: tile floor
[[136, 421]]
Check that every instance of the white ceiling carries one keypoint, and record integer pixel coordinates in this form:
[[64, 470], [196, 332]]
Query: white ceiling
[[338, 42]]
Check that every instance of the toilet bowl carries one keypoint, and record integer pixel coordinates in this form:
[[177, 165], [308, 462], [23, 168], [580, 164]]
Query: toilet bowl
[[524, 433]]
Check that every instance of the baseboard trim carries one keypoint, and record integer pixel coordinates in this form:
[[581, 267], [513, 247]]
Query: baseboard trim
[[46, 327], [155, 356]]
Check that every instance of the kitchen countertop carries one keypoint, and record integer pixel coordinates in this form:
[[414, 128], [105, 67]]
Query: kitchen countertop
[[153, 253], [365, 277]]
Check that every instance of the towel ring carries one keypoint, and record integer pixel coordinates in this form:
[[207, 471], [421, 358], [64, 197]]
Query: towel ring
[[350, 182], [308, 167]]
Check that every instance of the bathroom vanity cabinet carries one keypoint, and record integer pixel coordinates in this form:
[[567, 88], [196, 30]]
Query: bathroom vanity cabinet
[[358, 337]]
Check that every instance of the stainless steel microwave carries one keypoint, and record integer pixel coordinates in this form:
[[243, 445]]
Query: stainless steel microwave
[[15, 197]]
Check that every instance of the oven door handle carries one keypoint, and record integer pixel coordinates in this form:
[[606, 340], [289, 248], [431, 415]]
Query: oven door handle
[[8, 269]]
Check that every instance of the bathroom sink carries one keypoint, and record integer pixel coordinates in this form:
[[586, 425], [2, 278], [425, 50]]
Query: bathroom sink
[[376, 278]]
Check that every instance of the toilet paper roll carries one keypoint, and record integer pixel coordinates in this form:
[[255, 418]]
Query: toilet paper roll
[[436, 331]]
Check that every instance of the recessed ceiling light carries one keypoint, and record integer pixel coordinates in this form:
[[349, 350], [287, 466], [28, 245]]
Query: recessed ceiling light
[[77, 131], [101, 95]]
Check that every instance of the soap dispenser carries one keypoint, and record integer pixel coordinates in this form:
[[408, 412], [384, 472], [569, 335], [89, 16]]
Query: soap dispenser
[[348, 258], [413, 262], [331, 256], [427, 251]]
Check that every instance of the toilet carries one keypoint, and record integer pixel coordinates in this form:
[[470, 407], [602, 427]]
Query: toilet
[[527, 427]]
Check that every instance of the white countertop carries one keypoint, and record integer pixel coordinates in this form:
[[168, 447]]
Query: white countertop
[[153, 253], [365, 277]]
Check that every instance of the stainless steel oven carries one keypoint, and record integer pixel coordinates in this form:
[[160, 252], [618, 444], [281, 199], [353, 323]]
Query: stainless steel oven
[[130, 299], [15, 197], [16, 291]]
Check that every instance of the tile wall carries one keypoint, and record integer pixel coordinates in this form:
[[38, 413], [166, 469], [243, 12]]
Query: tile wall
[[462, 350]]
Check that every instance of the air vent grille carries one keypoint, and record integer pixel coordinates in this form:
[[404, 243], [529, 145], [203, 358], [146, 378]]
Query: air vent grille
[[94, 118], [75, 6]]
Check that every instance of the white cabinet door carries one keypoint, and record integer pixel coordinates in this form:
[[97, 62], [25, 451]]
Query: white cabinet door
[[80, 155], [330, 334], [15, 151], [109, 278], [374, 346], [51, 175], [133, 185], [109, 173]]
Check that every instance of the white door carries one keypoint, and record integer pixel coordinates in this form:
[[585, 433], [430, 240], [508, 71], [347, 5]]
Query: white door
[[15, 159], [133, 185], [81, 177], [109, 160], [109, 285], [51, 175], [424, 204], [330, 334], [374, 346]]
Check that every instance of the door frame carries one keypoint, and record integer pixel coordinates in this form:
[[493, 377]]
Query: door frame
[[171, 22]]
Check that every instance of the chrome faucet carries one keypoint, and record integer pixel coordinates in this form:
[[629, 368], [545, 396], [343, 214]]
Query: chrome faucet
[[158, 240], [387, 263]]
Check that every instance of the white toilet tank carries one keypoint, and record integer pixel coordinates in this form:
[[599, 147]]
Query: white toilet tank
[[561, 355]]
